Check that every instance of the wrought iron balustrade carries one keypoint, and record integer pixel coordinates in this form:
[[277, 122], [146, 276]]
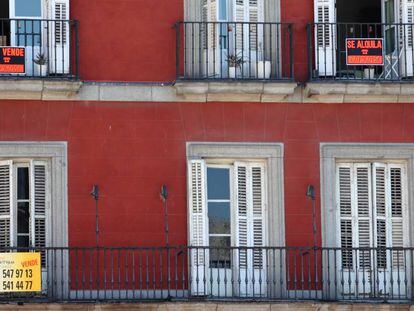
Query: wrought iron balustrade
[[234, 50], [327, 53], [51, 48], [227, 273]]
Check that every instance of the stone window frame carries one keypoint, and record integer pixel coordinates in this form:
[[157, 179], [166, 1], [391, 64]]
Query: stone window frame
[[56, 155], [272, 154], [331, 153]]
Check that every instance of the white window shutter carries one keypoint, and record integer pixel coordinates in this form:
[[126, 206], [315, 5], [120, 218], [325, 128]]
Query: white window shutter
[[250, 225], [325, 36], [198, 226], [379, 182], [40, 202], [363, 212], [241, 16], [242, 233], [258, 209], [406, 37], [60, 34], [345, 199], [6, 202], [396, 175], [209, 30]]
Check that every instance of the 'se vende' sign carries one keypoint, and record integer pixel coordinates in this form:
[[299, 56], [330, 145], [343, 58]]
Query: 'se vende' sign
[[12, 59], [368, 52]]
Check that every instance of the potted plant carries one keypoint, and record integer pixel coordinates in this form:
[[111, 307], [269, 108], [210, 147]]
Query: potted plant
[[235, 62], [41, 61]]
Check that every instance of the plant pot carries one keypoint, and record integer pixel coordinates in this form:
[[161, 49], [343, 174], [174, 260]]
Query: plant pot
[[41, 70], [264, 69], [232, 72], [369, 73]]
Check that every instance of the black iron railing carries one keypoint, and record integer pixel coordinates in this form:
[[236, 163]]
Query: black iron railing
[[234, 50], [51, 47], [328, 56], [231, 273]]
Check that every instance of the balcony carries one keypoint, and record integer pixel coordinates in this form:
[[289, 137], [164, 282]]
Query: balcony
[[51, 49], [234, 51], [223, 273], [328, 53]]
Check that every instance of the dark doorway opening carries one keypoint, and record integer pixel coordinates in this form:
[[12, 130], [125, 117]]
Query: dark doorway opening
[[356, 19], [358, 11], [4, 23]]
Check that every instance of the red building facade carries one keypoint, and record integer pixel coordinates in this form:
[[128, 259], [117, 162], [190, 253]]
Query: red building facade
[[143, 97]]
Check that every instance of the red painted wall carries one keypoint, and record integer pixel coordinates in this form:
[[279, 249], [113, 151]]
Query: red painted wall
[[127, 40], [131, 149], [134, 40], [299, 12]]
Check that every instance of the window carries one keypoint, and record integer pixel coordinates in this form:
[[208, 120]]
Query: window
[[232, 215], [33, 204], [371, 199], [365, 215], [24, 198]]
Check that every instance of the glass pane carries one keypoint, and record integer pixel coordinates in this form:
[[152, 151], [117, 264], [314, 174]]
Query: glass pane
[[220, 253], [390, 40], [28, 33], [223, 10], [218, 185], [389, 11], [28, 8], [23, 241], [219, 217], [23, 183], [23, 217]]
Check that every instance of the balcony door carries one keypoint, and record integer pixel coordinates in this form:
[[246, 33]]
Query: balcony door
[[26, 30], [391, 20], [373, 225], [232, 38], [227, 229], [42, 27]]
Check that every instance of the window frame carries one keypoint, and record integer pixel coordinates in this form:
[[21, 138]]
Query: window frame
[[333, 153], [55, 154], [269, 153]]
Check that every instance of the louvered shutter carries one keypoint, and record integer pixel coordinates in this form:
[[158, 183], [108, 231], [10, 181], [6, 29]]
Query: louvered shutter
[[209, 31], [242, 238], [325, 44], [198, 236], [407, 18], [60, 33], [363, 213], [380, 212], [39, 206], [6, 202], [396, 175], [241, 35], [344, 177], [250, 224]]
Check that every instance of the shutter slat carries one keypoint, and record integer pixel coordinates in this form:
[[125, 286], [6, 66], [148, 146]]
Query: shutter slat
[[5, 202], [39, 172], [242, 215], [363, 197], [197, 209], [345, 191], [257, 173], [346, 243]]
